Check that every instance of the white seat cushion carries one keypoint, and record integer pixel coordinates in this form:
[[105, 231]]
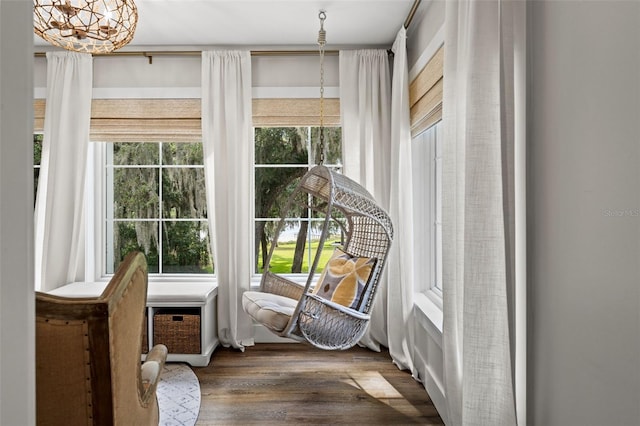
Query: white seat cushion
[[268, 309]]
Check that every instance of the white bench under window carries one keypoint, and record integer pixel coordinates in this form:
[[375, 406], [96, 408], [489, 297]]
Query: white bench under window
[[173, 301]]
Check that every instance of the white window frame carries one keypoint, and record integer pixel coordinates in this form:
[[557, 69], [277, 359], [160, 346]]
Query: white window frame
[[98, 192], [296, 277], [427, 192], [37, 166]]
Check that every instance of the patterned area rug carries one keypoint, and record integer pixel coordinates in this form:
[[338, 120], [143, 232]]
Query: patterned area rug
[[178, 396]]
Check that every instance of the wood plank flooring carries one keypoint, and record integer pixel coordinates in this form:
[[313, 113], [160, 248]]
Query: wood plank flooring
[[277, 384]]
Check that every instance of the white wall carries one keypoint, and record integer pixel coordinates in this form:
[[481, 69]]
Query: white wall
[[179, 76], [584, 213], [427, 21], [17, 353]]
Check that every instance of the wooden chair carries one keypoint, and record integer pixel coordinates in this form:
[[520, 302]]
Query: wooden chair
[[88, 355]]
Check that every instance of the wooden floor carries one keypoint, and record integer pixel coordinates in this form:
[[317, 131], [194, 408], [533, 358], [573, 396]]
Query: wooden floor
[[277, 384]]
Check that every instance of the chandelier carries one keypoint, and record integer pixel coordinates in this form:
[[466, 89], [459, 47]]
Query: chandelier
[[88, 26]]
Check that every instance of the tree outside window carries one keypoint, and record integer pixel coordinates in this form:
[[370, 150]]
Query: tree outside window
[[282, 156], [156, 203]]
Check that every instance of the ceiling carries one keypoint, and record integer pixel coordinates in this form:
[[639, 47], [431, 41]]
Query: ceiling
[[255, 23]]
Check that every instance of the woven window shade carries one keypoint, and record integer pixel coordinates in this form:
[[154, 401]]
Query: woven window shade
[[295, 112], [178, 120], [425, 94], [139, 120]]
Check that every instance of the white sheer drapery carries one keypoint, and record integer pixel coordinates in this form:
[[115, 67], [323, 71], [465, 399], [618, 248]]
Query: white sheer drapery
[[365, 113], [228, 159], [59, 212], [401, 260], [377, 153], [478, 229], [365, 110]]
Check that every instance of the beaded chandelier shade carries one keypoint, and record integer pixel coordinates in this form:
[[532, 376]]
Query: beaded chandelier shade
[[88, 26]]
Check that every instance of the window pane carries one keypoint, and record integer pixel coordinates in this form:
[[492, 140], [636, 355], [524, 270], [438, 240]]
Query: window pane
[[37, 148], [37, 154], [182, 153], [273, 186], [427, 195], [136, 153], [139, 236], [297, 246], [282, 157], [438, 204], [281, 145], [186, 248], [332, 145], [138, 186], [135, 193], [183, 193], [291, 245], [36, 176]]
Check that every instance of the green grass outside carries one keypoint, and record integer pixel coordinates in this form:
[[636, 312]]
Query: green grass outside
[[283, 256]]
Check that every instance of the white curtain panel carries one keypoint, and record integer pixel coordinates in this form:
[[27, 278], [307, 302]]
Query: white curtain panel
[[377, 153], [365, 113], [365, 110], [401, 260], [479, 211], [228, 159], [59, 212]]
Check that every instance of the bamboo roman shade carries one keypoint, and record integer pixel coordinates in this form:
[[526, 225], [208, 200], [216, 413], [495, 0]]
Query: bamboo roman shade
[[425, 94], [295, 112], [139, 120], [178, 120]]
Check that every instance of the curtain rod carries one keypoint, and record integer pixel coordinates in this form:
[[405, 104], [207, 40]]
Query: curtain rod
[[412, 12], [151, 53]]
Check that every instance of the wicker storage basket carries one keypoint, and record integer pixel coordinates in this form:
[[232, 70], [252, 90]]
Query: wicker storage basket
[[178, 330]]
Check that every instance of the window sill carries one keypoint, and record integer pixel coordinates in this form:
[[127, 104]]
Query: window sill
[[158, 293], [181, 279], [429, 315], [172, 279]]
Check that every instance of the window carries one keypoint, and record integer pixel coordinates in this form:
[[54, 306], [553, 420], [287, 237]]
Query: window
[[425, 98], [37, 154], [155, 202], [282, 155], [146, 193], [427, 179]]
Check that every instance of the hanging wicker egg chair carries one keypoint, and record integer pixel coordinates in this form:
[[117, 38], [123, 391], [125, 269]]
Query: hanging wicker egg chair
[[331, 312]]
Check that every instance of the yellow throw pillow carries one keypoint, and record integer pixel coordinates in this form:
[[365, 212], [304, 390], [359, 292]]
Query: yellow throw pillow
[[345, 278]]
